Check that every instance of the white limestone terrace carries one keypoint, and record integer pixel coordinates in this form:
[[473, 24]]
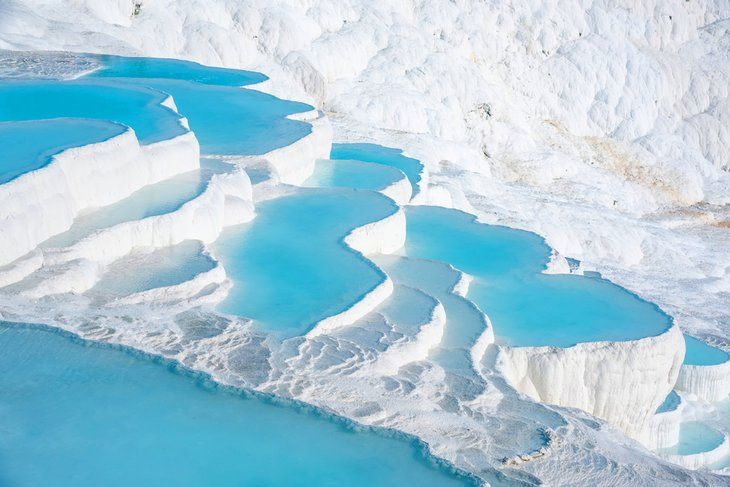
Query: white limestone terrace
[[619, 153], [404, 377], [499, 410]]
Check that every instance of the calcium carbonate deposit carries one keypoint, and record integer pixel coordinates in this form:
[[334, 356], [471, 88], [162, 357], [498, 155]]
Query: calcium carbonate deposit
[[475, 242]]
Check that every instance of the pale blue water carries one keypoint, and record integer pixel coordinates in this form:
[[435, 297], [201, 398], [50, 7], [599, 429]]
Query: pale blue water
[[695, 437], [133, 106], [27, 146], [381, 155], [163, 267], [290, 267], [526, 307], [78, 414], [464, 323], [700, 353], [154, 199], [671, 403], [226, 119], [352, 174]]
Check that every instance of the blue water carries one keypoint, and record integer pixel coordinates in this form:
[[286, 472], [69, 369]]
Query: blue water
[[352, 174], [27, 146], [226, 119], [526, 307], [77, 414], [163, 267], [700, 353], [695, 437], [144, 67], [290, 267], [133, 106], [154, 199], [671, 403], [381, 155]]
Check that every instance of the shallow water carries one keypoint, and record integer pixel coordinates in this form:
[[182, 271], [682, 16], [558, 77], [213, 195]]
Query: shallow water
[[695, 437], [700, 353], [290, 267], [30, 145], [226, 119], [154, 199], [381, 155], [352, 174], [78, 414], [526, 307], [133, 106], [162, 267]]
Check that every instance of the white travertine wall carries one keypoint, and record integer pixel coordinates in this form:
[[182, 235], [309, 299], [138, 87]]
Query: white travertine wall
[[43, 203], [710, 383], [621, 382], [663, 428], [295, 163], [202, 218]]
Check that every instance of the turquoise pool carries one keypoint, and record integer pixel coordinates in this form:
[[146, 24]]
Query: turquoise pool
[[290, 267], [27, 146], [700, 353], [695, 437], [526, 307], [134, 106], [378, 154], [352, 174], [145, 67], [78, 414], [226, 119]]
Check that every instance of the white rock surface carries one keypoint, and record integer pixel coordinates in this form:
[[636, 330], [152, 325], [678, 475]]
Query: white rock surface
[[710, 383], [621, 382]]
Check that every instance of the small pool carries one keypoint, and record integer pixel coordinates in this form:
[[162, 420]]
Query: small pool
[[378, 154], [154, 199], [30, 145], [695, 437], [671, 403], [163, 267], [290, 267], [133, 106], [700, 353], [527, 307], [352, 174], [79, 414], [226, 119]]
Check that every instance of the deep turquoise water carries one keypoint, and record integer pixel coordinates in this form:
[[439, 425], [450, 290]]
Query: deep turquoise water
[[290, 267], [76, 414], [226, 119], [352, 174], [381, 155], [700, 353], [133, 106], [27, 146], [163, 267], [695, 437], [526, 307]]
